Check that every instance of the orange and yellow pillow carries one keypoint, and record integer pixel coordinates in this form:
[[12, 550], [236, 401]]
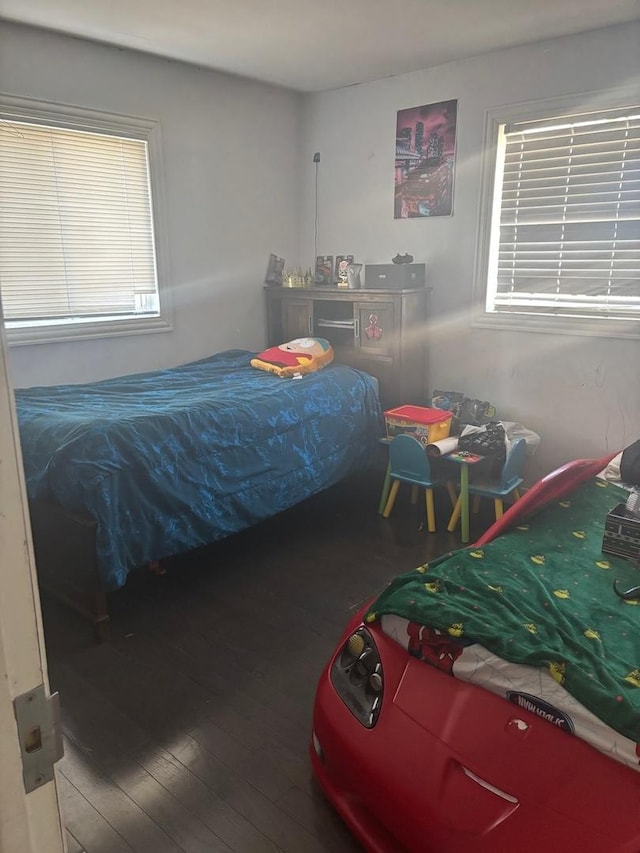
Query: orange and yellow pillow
[[295, 358]]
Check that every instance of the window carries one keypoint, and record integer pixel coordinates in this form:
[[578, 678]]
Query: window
[[77, 226], [563, 247]]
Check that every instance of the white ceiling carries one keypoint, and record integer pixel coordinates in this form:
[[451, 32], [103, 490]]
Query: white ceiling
[[324, 44]]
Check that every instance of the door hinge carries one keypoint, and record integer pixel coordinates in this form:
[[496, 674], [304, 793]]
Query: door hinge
[[40, 734]]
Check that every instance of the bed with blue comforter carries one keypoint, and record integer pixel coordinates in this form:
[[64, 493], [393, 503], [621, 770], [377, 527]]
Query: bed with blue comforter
[[174, 459]]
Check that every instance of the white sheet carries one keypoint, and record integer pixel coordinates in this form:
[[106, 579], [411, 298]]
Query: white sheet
[[532, 688]]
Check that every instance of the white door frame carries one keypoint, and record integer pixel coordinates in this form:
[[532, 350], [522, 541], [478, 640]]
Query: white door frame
[[29, 823]]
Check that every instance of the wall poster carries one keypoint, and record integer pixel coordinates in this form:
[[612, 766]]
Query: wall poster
[[425, 160]]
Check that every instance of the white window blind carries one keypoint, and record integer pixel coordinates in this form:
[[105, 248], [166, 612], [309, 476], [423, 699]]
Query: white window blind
[[568, 241], [76, 225]]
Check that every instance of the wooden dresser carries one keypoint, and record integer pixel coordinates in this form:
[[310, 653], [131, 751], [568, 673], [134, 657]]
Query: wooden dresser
[[382, 332]]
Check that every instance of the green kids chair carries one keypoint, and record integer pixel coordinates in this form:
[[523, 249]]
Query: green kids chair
[[409, 463], [507, 485]]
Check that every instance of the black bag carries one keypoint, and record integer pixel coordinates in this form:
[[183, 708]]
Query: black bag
[[464, 409], [476, 412], [630, 464], [488, 441]]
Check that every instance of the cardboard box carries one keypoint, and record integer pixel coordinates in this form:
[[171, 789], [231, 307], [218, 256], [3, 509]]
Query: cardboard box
[[427, 425], [621, 534]]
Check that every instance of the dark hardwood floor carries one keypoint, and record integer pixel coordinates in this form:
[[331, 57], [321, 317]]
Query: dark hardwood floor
[[189, 730]]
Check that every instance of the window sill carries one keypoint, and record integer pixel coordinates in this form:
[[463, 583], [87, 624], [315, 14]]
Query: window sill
[[85, 331], [595, 327]]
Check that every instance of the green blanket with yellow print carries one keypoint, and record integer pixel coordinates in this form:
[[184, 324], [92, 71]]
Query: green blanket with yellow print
[[542, 594]]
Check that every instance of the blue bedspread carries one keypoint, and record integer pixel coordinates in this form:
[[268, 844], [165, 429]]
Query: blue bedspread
[[174, 459]]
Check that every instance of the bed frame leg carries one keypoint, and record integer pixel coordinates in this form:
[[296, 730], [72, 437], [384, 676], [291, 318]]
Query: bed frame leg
[[101, 622], [102, 630], [65, 552]]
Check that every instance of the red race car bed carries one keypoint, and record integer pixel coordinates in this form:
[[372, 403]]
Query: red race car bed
[[490, 701]]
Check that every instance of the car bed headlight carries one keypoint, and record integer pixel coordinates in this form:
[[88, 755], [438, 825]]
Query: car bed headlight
[[356, 675]]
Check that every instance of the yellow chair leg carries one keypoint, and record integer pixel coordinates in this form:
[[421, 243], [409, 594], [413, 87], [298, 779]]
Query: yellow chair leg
[[431, 515], [452, 493], [392, 498], [516, 494], [384, 494], [455, 515], [499, 508], [476, 503], [414, 494]]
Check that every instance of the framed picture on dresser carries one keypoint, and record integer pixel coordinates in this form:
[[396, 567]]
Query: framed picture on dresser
[[324, 270], [275, 269]]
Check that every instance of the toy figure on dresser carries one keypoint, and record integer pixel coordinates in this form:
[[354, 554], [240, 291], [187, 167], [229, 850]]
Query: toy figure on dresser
[[342, 265]]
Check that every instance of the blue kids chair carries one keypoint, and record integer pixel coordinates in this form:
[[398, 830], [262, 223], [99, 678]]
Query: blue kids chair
[[409, 463], [507, 485]]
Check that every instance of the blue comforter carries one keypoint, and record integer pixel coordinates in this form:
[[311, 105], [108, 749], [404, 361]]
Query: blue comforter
[[174, 459]]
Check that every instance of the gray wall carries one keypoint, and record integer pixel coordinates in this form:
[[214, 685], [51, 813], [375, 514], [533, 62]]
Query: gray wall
[[239, 183], [581, 394], [230, 149]]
